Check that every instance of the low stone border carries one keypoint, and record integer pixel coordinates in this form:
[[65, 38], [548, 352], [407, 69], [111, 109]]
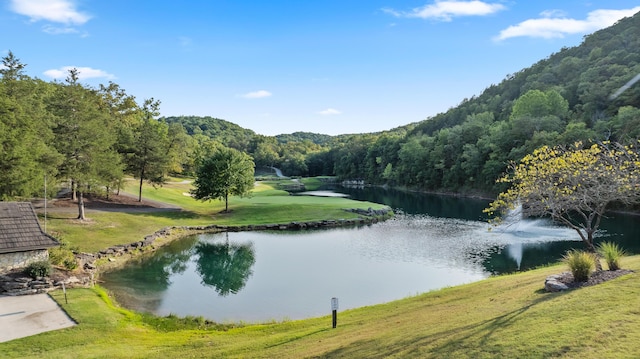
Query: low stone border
[[17, 283], [87, 261]]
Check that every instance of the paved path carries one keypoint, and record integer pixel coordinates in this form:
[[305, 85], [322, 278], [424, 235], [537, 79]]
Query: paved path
[[27, 315]]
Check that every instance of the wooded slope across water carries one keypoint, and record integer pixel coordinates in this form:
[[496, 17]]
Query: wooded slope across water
[[93, 137]]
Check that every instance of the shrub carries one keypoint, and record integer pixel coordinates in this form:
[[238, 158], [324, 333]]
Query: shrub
[[580, 263], [38, 269], [63, 255], [611, 253], [70, 263]]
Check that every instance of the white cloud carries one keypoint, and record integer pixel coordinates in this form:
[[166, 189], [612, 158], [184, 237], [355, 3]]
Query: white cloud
[[257, 94], [329, 112], [84, 73], [553, 25], [446, 10], [60, 11], [54, 30]]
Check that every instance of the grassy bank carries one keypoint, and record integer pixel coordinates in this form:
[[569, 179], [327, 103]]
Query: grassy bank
[[267, 205], [501, 317]]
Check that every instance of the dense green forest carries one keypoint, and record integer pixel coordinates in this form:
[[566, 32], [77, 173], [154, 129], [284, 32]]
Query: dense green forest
[[92, 137]]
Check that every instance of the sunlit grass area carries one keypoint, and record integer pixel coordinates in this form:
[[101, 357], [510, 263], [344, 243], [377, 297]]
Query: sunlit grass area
[[267, 205], [105, 229], [500, 317]]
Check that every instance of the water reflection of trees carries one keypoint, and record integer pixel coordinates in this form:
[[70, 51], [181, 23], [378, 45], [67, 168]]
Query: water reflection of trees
[[154, 272], [140, 284], [421, 203], [225, 266]]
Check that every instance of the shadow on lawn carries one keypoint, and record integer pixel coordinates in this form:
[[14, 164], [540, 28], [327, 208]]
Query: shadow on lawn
[[473, 338]]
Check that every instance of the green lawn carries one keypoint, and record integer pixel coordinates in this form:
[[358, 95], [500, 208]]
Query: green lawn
[[267, 205], [500, 317]]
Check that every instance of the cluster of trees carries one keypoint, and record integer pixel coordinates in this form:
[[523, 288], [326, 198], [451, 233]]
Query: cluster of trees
[[90, 138], [287, 152]]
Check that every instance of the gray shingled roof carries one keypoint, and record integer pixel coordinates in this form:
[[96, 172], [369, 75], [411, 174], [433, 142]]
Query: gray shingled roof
[[20, 230]]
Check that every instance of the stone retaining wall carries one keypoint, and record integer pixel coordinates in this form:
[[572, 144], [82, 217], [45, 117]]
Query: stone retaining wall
[[17, 283], [18, 260]]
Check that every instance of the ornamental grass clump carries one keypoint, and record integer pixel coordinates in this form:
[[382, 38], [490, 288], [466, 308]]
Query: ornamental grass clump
[[63, 255], [611, 253], [580, 263]]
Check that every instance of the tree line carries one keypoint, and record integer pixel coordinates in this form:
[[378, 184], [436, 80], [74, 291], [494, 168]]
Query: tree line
[[560, 100], [88, 137]]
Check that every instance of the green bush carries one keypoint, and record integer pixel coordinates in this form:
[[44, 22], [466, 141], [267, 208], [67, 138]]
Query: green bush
[[611, 253], [38, 269], [580, 263], [70, 263]]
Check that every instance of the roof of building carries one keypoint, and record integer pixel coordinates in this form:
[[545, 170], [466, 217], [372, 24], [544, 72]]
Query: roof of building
[[20, 230]]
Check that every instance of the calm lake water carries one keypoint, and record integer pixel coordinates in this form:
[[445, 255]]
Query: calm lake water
[[436, 241]]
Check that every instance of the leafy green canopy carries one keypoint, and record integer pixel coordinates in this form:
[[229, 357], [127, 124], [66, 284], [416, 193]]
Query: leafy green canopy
[[226, 172], [573, 186]]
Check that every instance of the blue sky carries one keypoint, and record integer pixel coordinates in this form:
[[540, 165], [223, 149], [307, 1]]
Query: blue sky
[[330, 66]]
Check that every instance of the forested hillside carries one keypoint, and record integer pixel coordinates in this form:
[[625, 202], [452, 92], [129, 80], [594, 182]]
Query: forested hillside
[[92, 137], [559, 100]]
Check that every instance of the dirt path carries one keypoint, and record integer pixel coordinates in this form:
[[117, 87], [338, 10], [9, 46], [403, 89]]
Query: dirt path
[[124, 202]]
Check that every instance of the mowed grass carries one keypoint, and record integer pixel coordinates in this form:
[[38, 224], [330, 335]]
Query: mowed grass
[[267, 205], [500, 317]]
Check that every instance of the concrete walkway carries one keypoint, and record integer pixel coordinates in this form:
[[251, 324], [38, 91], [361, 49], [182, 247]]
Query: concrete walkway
[[27, 315]]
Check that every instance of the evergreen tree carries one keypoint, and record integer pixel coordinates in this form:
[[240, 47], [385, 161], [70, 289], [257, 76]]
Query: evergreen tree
[[26, 157], [149, 160], [84, 136]]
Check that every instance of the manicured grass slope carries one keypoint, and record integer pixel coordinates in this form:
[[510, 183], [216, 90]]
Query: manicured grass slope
[[500, 317], [266, 206]]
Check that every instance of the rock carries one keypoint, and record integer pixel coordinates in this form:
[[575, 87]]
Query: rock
[[553, 284], [72, 280], [9, 286]]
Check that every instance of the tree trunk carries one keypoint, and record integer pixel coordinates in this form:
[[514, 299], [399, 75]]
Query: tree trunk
[[80, 207], [140, 188], [226, 202], [73, 190]]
